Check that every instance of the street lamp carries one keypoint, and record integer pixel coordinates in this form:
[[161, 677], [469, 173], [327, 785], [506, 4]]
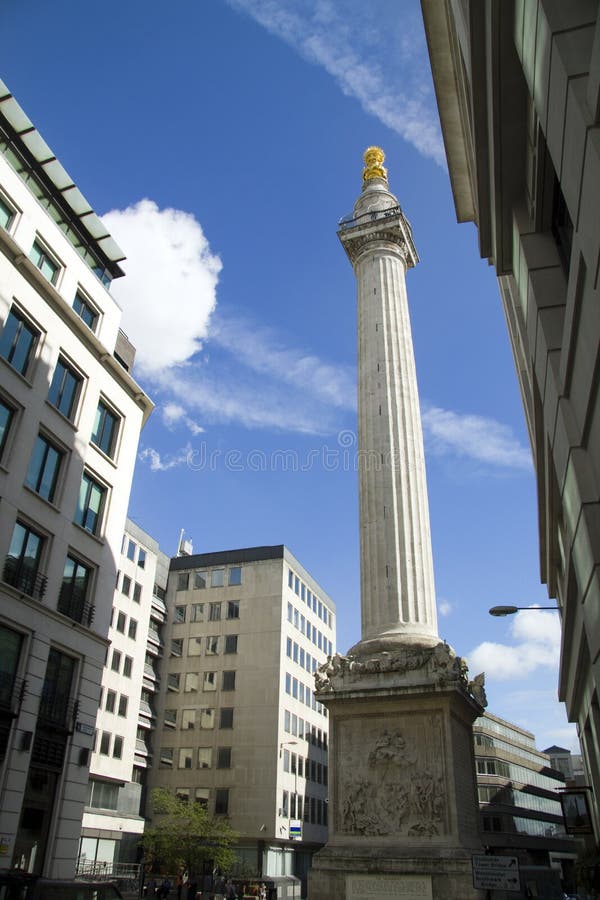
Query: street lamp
[[511, 610]]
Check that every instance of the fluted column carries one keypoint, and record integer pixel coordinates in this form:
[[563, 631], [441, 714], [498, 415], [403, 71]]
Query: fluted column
[[397, 586]]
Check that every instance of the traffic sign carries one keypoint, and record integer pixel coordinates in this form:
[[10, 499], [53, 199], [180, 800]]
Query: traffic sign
[[496, 873]]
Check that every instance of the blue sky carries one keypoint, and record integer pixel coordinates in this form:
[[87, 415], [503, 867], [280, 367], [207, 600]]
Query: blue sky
[[222, 140]]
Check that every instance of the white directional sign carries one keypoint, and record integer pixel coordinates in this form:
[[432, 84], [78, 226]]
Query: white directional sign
[[496, 873]]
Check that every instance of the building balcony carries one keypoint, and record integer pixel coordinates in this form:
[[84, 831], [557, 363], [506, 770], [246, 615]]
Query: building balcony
[[25, 579], [57, 712], [154, 637], [76, 607]]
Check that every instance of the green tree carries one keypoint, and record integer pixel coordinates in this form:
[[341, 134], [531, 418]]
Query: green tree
[[184, 835]]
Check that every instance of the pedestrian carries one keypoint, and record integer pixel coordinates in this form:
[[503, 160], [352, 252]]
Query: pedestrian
[[165, 888], [219, 888], [262, 891], [230, 893]]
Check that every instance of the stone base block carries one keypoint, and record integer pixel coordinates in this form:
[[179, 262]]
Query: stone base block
[[342, 874]]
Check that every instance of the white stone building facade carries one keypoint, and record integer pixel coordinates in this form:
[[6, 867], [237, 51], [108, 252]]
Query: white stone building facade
[[70, 418]]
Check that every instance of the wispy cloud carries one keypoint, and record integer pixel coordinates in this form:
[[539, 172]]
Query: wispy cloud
[[444, 607], [475, 437], [173, 414], [535, 645], [159, 463], [370, 49]]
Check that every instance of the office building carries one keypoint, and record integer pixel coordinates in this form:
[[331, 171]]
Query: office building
[[70, 418], [518, 91], [238, 725], [113, 821]]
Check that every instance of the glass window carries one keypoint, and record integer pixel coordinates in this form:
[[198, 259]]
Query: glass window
[[221, 801], [123, 702], [7, 214], [42, 259], [204, 757], [23, 560], [210, 681], [127, 666], [212, 645], [104, 436], [235, 575], [224, 758], [171, 718], [191, 682], [214, 612], [197, 612], [183, 794], [183, 581], [118, 747], [228, 680], [74, 589], [173, 679], [126, 585], [7, 414], [121, 619], [64, 389], [186, 756], [132, 631], [195, 646], [116, 661], [200, 580], [18, 341], [233, 609], [103, 795], [90, 504], [231, 642], [201, 796], [105, 743], [177, 647], [179, 614], [188, 719], [207, 718], [166, 758], [217, 578], [226, 717], [111, 699], [130, 548], [137, 592], [142, 558], [290, 578], [85, 311]]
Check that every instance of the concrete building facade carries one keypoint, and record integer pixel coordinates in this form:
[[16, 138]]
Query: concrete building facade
[[238, 725], [70, 418], [518, 91]]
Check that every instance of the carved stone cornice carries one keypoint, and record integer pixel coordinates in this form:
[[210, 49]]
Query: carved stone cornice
[[437, 666]]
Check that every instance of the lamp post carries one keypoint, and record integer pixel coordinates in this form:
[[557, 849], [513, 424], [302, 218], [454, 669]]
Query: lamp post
[[511, 610], [281, 746]]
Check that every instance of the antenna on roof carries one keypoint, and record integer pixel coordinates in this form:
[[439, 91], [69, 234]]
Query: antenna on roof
[[185, 547]]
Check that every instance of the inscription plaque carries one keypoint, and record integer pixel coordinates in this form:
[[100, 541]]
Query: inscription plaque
[[394, 887]]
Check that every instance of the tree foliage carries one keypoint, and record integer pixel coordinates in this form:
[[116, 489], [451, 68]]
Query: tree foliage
[[184, 836]]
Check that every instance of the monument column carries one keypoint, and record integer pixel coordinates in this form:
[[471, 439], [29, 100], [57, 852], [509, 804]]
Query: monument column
[[403, 811], [397, 588]]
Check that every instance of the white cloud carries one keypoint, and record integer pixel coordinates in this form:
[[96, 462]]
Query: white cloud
[[477, 437], [444, 607], [264, 352], [370, 50], [168, 293], [174, 414], [536, 637], [159, 464]]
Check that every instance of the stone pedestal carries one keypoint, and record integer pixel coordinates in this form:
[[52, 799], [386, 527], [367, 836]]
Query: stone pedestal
[[403, 814]]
